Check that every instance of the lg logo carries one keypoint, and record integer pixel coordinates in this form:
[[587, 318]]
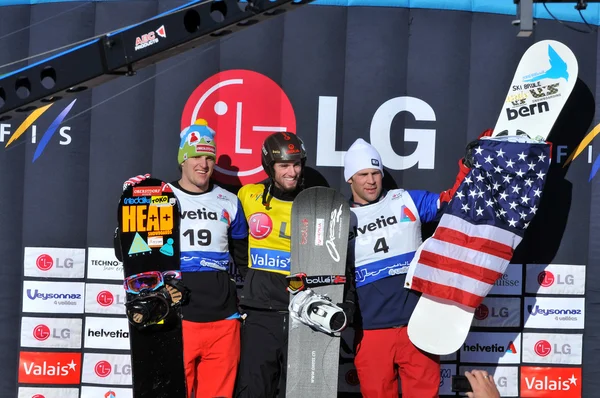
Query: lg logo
[[42, 332], [45, 262], [543, 348], [380, 134], [260, 225], [502, 381], [482, 312], [244, 107], [106, 298], [104, 369], [547, 279]]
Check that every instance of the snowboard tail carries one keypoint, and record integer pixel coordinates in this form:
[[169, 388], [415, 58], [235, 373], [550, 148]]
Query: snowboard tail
[[543, 81], [319, 242], [149, 241]]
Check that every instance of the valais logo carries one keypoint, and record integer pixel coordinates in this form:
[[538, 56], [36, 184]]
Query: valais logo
[[244, 107], [49, 368], [260, 225], [551, 382]]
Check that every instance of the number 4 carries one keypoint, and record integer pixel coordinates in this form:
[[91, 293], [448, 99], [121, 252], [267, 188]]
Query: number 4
[[381, 246]]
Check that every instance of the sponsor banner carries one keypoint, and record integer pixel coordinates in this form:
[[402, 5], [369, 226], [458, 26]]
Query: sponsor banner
[[555, 279], [46, 392], [49, 367], [498, 312], [483, 347], [108, 333], [53, 297], [102, 264], [106, 392], [554, 313], [552, 348], [52, 262], [51, 332], [106, 369], [446, 372], [511, 282], [104, 299], [550, 382], [505, 377]]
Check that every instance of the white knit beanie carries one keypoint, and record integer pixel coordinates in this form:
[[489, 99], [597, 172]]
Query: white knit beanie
[[360, 156]]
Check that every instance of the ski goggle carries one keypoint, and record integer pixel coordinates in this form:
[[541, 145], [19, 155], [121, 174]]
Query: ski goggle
[[300, 281], [296, 282], [148, 281]]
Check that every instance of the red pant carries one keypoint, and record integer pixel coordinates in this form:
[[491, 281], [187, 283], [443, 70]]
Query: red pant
[[381, 353], [211, 354]]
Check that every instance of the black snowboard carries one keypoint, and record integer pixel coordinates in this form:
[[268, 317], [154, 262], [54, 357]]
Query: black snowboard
[[149, 241], [319, 241]]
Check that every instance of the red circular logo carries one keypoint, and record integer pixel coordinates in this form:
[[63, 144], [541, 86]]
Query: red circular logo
[[260, 225], [482, 312], [41, 332], [105, 298], [103, 368], [44, 262], [243, 107], [352, 377], [545, 278], [38, 396], [542, 348]]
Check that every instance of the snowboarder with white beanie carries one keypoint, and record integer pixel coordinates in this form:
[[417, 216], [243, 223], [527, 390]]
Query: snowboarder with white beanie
[[384, 236]]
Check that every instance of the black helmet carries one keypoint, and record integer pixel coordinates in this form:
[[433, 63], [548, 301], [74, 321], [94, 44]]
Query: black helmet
[[281, 146]]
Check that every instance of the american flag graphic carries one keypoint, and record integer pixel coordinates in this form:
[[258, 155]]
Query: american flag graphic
[[483, 223]]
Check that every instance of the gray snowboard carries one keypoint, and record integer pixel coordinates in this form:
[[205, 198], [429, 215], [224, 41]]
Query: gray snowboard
[[319, 241]]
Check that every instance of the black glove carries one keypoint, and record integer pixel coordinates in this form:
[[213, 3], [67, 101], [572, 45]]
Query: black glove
[[349, 308], [468, 159]]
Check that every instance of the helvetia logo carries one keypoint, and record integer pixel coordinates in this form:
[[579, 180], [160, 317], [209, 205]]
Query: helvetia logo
[[48, 134], [490, 348]]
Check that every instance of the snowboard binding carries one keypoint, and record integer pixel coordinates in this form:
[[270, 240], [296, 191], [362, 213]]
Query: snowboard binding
[[318, 312], [151, 296]]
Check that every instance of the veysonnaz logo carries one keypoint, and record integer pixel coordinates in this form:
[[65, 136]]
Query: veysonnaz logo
[[46, 296], [379, 223], [199, 214], [545, 312]]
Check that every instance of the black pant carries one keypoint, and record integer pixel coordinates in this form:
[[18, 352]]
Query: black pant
[[263, 359]]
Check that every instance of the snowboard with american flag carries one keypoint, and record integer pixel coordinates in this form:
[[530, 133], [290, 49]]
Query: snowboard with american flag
[[485, 221]]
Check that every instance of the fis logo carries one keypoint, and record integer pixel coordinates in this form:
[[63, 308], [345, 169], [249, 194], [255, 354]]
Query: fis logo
[[587, 140], [30, 120]]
